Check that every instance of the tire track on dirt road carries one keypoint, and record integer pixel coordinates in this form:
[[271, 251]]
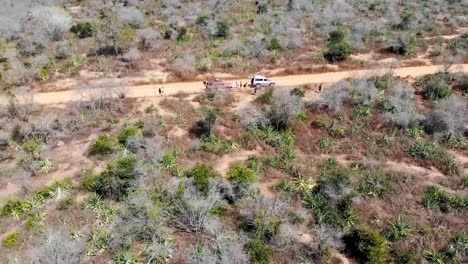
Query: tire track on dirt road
[[171, 89]]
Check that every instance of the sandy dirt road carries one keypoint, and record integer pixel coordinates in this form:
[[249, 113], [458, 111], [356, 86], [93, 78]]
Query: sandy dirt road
[[197, 87]]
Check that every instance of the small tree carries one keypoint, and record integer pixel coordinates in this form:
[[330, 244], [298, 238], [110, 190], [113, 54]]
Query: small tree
[[83, 30], [201, 175], [448, 118], [117, 179], [204, 127], [366, 245], [112, 35], [338, 48], [286, 106]]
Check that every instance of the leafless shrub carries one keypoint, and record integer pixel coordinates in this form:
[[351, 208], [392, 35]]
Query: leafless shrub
[[40, 60], [150, 128], [186, 64], [138, 221], [337, 13], [158, 252], [233, 47], [326, 238], [200, 254], [147, 38], [63, 50], [147, 150], [20, 104], [355, 92], [54, 22], [191, 210], [225, 248], [252, 118], [18, 74], [58, 249], [256, 46], [121, 91], [448, 118], [230, 250], [132, 56], [94, 99], [42, 129], [131, 15], [400, 107], [285, 108]]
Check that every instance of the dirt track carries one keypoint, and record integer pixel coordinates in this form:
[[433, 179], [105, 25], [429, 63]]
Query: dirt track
[[196, 87]]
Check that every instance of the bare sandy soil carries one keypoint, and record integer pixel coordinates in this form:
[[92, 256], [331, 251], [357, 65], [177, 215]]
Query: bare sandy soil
[[197, 87]]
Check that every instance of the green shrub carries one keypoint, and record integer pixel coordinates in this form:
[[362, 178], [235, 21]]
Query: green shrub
[[83, 30], [375, 185], [260, 253], [383, 82], [460, 44], [11, 239], [331, 199], [240, 173], [15, 207], [436, 86], [126, 133], [400, 229], [90, 182], [103, 145], [274, 45], [453, 251], [222, 29], [338, 48], [115, 181], [266, 97], [337, 132], [125, 257], [366, 245], [64, 204], [435, 155], [297, 92], [32, 146], [201, 174], [433, 197]]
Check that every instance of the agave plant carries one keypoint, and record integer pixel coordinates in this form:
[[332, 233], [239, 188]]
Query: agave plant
[[304, 184], [400, 229]]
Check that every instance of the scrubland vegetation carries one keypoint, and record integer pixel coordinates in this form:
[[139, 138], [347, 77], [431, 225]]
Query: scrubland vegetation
[[373, 171], [51, 39]]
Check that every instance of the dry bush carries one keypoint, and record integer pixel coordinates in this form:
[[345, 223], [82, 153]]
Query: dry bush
[[356, 92], [252, 118], [448, 118], [58, 249], [286, 106], [191, 210], [138, 221], [400, 106]]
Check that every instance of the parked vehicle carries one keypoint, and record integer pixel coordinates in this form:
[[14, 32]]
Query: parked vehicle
[[218, 84], [261, 81]]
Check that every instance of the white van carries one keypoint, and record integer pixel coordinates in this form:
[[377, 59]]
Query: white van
[[260, 81]]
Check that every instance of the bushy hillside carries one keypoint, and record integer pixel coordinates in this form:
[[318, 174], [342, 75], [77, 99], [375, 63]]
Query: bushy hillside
[[49, 39]]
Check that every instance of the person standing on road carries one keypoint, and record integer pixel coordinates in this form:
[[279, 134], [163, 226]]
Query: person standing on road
[[320, 88], [160, 91]]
